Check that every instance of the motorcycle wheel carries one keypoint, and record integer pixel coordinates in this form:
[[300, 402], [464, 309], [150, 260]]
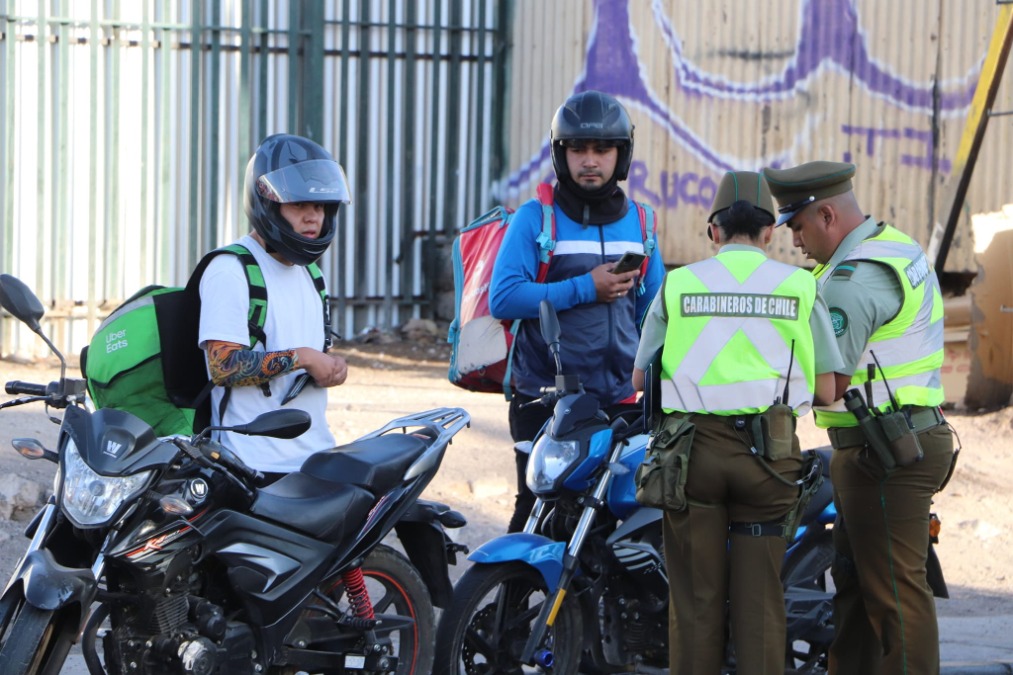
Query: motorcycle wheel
[[32, 640], [395, 587], [489, 620], [808, 568]]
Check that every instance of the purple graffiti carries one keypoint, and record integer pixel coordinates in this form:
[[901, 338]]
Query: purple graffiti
[[673, 189], [612, 65], [874, 138]]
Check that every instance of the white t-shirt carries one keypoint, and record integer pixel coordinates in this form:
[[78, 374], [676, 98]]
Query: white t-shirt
[[294, 319]]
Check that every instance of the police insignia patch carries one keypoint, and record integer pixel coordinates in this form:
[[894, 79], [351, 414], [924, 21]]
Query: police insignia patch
[[839, 319]]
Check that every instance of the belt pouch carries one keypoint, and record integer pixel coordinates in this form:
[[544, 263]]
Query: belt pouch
[[777, 424], [661, 477], [901, 438], [876, 440]]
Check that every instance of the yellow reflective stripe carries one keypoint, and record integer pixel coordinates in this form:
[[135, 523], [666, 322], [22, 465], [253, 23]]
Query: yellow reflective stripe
[[557, 603]]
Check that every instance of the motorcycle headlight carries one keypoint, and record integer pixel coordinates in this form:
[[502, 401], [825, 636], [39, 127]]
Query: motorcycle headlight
[[549, 462], [90, 499]]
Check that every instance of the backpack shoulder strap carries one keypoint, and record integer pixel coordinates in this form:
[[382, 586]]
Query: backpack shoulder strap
[[649, 235], [547, 237], [546, 244], [318, 283], [256, 316]]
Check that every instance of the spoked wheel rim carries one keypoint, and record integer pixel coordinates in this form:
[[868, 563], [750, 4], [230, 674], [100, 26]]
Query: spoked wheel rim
[[492, 646], [491, 619]]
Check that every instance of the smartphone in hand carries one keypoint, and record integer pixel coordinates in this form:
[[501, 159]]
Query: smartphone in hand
[[630, 261]]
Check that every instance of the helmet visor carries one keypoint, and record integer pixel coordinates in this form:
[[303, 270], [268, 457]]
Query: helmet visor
[[315, 180]]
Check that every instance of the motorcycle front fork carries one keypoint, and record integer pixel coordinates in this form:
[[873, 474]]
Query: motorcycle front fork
[[554, 597]]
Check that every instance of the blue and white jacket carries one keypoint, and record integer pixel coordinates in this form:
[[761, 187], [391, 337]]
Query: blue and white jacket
[[599, 340]]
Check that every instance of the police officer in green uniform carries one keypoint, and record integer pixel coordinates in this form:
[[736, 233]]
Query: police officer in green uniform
[[887, 313], [739, 333]]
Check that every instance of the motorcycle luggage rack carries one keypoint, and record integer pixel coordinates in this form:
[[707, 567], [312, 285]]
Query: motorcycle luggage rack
[[440, 423], [443, 422]]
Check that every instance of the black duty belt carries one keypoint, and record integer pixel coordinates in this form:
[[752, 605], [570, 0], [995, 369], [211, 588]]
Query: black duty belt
[[922, 419]]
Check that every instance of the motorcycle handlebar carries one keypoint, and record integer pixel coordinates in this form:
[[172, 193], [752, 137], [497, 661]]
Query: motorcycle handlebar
[[249, 474], [28, 388], [219, 453]]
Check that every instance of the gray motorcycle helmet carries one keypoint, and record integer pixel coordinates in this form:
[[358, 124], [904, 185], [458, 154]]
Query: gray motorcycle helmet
[[288, 169], [591, 115]]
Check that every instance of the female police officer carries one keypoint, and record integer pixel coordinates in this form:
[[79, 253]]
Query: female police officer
[[742, 337]]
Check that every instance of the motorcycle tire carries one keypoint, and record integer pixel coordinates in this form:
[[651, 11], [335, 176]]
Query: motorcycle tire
[[807, 570], [33, 641], [396, 587], [478, 634]]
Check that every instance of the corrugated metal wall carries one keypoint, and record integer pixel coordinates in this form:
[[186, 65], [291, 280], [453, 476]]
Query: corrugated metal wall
[[127, 125], [742, 84]]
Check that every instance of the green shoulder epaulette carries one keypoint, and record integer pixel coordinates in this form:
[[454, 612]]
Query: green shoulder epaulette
[[844, 271]]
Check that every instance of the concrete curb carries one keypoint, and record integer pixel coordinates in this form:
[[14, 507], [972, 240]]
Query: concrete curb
[[976, 669]]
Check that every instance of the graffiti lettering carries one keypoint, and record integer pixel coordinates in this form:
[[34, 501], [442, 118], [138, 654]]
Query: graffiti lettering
[[671, 189], [873, 137]]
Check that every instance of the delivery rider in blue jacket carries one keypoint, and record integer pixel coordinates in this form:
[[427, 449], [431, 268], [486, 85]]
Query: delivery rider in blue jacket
[[599, 312]]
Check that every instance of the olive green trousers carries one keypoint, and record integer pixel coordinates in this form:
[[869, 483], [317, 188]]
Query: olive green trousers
[[884, 612], [712, 573]]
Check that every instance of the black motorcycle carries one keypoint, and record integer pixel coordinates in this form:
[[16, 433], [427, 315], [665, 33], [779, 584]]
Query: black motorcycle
[[170, 550]]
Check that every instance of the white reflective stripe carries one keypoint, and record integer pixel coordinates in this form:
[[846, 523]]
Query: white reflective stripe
[[903, 349], [573, 246], [880, 396], [620, 247], [127, 308], [686, 395]]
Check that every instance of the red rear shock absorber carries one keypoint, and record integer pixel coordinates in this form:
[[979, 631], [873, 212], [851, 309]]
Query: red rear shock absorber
[[358, 596]]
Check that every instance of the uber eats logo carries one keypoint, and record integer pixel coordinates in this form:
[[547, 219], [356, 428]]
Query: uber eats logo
[[116, 340]]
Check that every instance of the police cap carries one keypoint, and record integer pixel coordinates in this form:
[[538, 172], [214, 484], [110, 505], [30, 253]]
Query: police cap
[[747, 185], [799, 186]]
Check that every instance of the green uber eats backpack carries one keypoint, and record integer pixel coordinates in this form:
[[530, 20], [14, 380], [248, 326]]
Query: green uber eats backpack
[[144, 357]]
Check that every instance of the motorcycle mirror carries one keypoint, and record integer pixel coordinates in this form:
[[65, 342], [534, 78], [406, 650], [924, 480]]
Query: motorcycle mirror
[[287, 423], [19, 300], [548, 322]]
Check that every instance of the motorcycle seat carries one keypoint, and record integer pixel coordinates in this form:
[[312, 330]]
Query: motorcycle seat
[[322, 509], [376, 464]]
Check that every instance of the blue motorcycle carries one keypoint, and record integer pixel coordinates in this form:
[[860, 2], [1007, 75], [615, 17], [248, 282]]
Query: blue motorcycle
[[584, 587]]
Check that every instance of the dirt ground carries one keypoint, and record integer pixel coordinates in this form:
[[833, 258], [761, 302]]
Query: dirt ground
[[390, 379]]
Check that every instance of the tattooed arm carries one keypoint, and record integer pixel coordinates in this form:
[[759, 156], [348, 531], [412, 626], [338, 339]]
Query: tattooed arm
[[232, 365]]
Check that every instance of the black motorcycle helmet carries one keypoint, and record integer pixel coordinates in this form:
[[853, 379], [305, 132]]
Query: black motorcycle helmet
[[289, 169], [591, 115]]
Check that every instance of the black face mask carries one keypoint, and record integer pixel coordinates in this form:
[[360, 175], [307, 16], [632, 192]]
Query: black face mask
[[605, 205]]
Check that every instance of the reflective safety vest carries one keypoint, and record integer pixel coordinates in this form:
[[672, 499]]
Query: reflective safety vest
[[737, 324], [909, 347]]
